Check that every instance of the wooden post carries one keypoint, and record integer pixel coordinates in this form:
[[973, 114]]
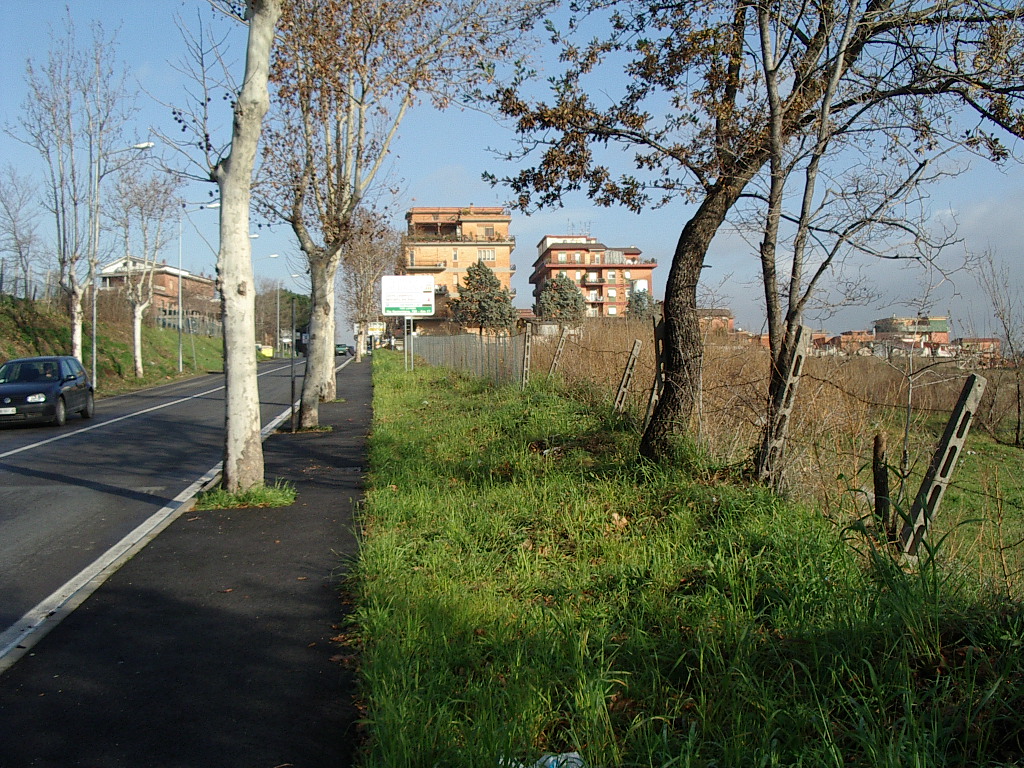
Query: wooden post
[[880, 473], [558, 351], [926, 503], [659, 368], [627, 377]]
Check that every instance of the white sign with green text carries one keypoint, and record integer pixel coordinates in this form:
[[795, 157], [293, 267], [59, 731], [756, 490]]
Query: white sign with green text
[[407, 295]]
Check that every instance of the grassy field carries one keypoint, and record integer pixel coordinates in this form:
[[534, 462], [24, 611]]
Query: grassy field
[[33, 328], [525, 586]]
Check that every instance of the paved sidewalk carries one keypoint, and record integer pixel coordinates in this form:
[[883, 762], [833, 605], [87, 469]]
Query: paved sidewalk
[[211, 647]]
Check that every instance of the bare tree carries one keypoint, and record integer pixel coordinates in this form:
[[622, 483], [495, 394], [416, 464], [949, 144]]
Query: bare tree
[[372, 251], [1004, 294], [19, 238], [346, 72], [243, 447], [75, 117], [144, 209], [705, 111]]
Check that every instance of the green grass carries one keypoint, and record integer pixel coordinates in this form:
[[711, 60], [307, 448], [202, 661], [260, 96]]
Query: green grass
[[525, 586], [34, 328], [280, 494]]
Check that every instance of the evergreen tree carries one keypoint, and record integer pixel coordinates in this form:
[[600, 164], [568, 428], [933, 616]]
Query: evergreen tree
[[482, 301], [641, 306], [561, 300]]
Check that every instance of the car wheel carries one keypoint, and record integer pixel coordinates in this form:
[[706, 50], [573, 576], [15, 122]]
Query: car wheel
[[90, 406], [60, 413]]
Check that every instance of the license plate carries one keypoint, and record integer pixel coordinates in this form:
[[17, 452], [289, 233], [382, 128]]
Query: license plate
[[8, 411]]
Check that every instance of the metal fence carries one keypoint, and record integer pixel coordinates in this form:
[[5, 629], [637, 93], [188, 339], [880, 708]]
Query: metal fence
[[496, 358]]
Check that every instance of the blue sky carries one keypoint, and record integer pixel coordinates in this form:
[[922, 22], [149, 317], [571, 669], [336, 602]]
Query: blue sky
[[439, 159]]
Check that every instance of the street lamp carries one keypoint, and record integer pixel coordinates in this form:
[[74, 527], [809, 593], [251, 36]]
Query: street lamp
[[94, 248], [181, 316]]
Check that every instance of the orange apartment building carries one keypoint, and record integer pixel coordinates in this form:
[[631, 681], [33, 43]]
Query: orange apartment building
[[605, 276], [444, 242]]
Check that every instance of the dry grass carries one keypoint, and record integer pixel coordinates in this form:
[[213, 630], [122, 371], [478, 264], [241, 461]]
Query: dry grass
[[841, 405]]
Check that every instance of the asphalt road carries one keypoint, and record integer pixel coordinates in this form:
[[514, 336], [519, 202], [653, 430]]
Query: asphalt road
[[67, 495]]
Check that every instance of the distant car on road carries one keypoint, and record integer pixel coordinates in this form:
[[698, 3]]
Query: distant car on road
[[44, 389], [342, 349]]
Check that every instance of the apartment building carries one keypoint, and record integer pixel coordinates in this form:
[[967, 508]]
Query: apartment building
[[198, 292], [605, 276], [913, 330], [444, 242]]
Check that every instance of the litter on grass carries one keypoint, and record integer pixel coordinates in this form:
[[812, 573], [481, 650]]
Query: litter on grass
[[563, 760]]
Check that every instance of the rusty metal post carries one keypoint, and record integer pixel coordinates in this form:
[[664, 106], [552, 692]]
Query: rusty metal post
[[926, 503], [627, 377], [525, 378], [558, 352], [774, 440]]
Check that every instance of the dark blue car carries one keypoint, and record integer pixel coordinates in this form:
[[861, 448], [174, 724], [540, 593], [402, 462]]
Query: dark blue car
[[44, 389]]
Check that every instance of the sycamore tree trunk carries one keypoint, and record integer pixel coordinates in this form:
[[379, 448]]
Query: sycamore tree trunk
[[137, 312], [319, 383], [243, 449], [684, 345], [77, 315], [360, 341]]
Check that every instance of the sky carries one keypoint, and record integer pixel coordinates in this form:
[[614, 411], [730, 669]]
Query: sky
[[439, 159]]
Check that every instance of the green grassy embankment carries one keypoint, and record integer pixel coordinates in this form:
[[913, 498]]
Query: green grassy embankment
[[34, 328], [525, 586]]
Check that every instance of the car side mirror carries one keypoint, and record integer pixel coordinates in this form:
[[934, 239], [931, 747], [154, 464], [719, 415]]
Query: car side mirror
[[70, 377]]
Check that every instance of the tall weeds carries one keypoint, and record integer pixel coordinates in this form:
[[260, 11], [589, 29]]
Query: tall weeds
[[526, 587]]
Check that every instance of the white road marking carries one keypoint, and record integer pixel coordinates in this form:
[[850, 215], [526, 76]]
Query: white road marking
[[20, 637], [108, 422]]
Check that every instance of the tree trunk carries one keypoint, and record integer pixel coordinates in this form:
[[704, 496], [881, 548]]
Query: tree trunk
[[137, 311], [319, 385], [77, 315], [684, 348], [768, 462], [243, 448]]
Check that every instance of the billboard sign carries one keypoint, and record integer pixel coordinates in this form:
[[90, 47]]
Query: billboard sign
[[411, 295]]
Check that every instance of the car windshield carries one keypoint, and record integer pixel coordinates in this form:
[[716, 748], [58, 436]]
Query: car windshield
[[28, 371]]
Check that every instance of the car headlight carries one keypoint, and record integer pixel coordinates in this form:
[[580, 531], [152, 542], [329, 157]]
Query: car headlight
[[39, 397]]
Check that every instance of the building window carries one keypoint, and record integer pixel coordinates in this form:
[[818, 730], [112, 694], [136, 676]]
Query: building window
[[611, 293], [625, 274], [613, 310], [489, 232], [611, 276], [561, 273], [412, 258], [579, 275], [597, 258], [561, 258], [578, 258], [455, 254], [485, 254]]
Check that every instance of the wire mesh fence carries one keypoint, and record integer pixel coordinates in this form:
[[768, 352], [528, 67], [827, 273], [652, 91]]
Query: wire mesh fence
[[843, 403], [498, 359]]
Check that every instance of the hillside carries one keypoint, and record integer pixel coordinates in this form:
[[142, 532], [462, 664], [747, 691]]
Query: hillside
[[38, 328]]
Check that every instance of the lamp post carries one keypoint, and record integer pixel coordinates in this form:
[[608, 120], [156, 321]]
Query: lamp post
[[181, 315], [94, 245]]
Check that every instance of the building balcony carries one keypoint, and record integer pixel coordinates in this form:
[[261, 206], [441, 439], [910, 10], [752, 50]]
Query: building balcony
[[440, 266], [414, 238], [592, 280], [554, 262]]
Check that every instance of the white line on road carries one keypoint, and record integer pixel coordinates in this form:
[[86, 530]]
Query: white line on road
[[20, 637], [108, 422]]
